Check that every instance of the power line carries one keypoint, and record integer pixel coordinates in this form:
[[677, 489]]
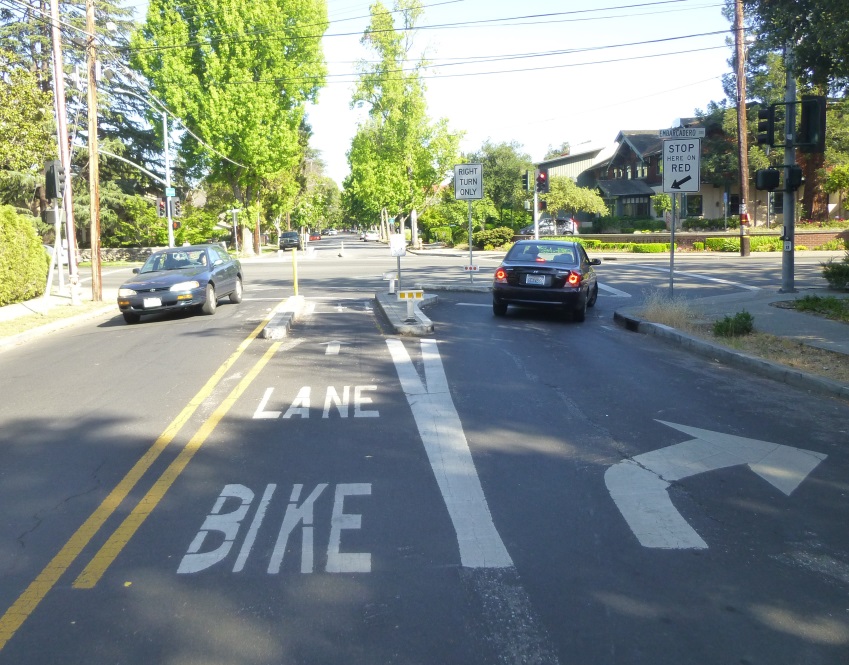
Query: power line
[[516, 21], [507, 71]]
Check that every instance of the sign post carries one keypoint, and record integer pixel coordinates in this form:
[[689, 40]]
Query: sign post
[[682, 171], [468, 186]]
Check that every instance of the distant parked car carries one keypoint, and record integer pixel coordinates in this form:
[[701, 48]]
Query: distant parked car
[[290, 239], [565, 226], [370, 235], [315, 235], [188, 277]]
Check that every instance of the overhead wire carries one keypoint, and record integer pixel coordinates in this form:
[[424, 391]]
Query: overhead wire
[[246, 38]]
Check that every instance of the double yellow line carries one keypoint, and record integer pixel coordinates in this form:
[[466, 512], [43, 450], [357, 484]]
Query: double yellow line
[[29, 600]]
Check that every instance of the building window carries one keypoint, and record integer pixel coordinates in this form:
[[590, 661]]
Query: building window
[[694, 205], [635, 206], [734, 204]]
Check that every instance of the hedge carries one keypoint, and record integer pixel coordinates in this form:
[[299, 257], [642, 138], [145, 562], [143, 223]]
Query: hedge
[[23, 261]]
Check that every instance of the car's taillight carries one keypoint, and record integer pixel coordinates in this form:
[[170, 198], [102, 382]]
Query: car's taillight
[[501, 275], [574, 278]]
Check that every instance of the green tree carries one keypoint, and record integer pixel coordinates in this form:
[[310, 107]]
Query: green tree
[[560, 151], [819, 33], [27, 139], [503, 166], [398, 157], [837, 182], [564, 195], [238, 73]]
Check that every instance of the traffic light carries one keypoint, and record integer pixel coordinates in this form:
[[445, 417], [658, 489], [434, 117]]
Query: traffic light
[[160, 207], [766, 126], [178, 207], [175, 225], [526, 181], [542, 181], [767, 179], [794, 178], [54, 180], [811, 137]]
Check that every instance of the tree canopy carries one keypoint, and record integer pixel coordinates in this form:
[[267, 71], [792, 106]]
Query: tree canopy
[[238, 72], [398, 156]]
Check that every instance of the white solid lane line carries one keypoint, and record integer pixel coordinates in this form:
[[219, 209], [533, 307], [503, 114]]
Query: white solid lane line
[[450, 458]]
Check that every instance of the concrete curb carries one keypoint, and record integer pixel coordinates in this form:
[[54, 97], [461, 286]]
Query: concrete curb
[[41, 331], [282, 320], [718, 353], [396, 312]]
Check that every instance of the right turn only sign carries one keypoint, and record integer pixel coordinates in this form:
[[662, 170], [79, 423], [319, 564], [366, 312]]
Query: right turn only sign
[[682, 165]]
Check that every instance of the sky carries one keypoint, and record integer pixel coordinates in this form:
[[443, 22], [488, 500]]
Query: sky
[[537, 72]]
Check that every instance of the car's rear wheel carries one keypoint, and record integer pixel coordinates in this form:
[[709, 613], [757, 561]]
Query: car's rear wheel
[[579, 314], [236, 296], [593, 297], [129, 317], [211, 303], [499, 308]]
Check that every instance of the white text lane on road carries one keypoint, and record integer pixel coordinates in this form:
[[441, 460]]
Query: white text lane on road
[[449, 455], [639, 485]]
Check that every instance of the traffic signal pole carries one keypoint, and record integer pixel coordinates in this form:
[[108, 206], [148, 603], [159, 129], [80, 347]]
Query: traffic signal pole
[[167, 180], [787, 255]]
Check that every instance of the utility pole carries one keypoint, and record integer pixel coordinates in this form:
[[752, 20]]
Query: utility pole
[[64, 151], [742, 143], [93, 162]]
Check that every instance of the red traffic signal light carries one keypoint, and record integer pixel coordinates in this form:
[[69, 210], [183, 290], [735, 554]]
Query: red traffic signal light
[[542, 182], [160, 207]]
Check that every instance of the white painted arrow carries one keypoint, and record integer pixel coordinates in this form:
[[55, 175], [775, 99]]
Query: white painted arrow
[[638, 485]]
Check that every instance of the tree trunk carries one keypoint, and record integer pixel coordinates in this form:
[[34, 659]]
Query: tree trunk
[[814, 199]]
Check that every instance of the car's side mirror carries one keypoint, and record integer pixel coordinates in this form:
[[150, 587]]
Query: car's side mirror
[[136, 271], [595, 262], [218, 262]]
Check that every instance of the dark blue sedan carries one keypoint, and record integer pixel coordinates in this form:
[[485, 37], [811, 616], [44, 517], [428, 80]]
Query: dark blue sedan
[[546, 273], [189, 277]]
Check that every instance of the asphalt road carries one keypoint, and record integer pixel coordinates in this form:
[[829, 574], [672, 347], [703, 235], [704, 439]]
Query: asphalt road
[[513, 490]]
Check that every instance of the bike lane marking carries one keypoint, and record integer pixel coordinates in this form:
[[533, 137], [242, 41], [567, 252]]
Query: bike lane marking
[[14, 617], [450, 458], [95, 569]]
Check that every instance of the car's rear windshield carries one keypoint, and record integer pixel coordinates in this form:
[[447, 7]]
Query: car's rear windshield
[[542, 251]]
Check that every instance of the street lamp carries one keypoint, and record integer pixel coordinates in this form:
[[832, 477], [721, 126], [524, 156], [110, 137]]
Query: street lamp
[[169, 192]]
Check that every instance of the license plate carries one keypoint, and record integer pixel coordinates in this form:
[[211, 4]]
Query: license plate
[[536, 280], [152, 302]]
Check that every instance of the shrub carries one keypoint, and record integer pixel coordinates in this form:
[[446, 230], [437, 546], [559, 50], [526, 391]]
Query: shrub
[[740, 324], [440, 234], [766, 244], [651, 248], [723, 244], [699, 246], [836, 273], [492, 237], [23, 261]]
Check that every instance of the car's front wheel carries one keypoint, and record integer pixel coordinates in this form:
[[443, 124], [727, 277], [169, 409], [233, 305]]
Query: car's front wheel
[[236, 295], [211, 303], [129, 317]]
